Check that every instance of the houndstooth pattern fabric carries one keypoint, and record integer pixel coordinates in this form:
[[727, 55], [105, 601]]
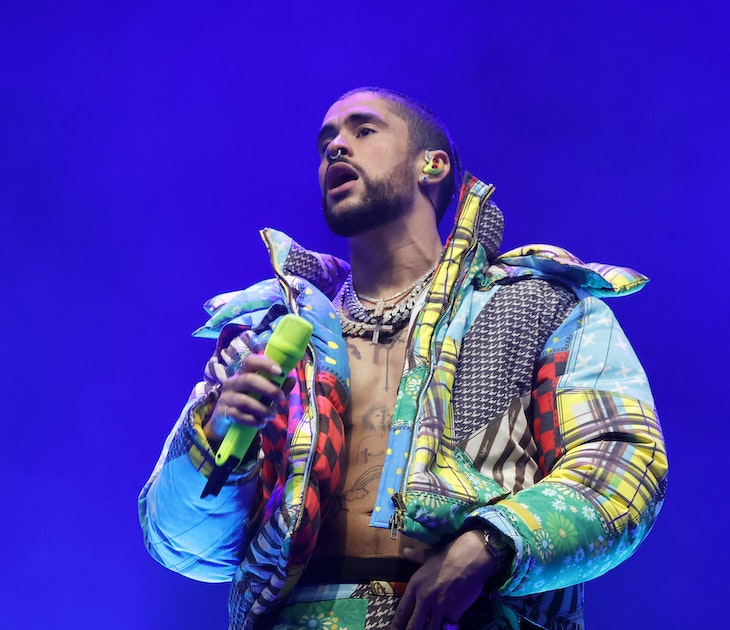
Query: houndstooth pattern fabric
[[381, 607], [485, 614], [490, 228], [501, 349], [495, 376], [304, 263], [326, 272]]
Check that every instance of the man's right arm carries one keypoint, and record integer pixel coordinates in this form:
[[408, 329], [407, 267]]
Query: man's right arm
[[204, 538], [199, 538]]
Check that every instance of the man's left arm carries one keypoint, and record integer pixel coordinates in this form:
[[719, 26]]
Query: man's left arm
[[602, 454], [601, 447]]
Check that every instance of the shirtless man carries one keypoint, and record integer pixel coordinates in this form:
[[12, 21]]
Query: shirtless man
[[388, 214]]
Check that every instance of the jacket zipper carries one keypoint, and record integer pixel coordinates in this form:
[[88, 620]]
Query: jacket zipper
[[309, 377], [397, 519]]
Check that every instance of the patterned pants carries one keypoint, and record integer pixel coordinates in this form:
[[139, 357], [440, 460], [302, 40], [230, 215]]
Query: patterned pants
[[372, 606], [366, 606]]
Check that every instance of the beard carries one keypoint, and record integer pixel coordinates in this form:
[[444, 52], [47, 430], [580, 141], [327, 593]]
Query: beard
[[383, 201]]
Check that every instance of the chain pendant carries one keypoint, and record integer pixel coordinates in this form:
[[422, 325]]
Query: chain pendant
[[358, 321], [376, 333], [378, 315]]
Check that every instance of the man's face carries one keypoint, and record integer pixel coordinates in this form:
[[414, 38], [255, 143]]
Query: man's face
[[373, 182]]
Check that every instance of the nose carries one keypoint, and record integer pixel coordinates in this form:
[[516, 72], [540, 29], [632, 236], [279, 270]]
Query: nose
[[333, 155], [336, 149]]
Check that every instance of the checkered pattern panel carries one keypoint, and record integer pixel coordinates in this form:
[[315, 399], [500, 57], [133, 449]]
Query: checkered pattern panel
[[545, 416], [326, 467], [460, 244], [274, 435], [296, 494]]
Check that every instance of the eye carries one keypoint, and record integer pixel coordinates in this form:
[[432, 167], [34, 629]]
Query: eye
[[365, 131], [323, 145]]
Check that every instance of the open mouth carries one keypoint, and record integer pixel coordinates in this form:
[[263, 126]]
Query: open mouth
[[339, 174]]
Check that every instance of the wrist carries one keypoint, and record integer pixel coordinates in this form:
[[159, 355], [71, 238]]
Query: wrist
[[498, 547]]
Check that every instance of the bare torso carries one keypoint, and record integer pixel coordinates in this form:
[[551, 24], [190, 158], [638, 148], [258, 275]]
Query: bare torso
[[375, 372]]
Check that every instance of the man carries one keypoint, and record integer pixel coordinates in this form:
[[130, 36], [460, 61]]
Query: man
[[468, 439]]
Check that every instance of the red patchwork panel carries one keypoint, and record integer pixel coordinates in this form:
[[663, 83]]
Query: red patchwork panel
[[544, 411], [327, 465], [274, 439]]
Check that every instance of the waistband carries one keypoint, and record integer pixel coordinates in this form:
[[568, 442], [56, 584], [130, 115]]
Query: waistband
[[357, 570]]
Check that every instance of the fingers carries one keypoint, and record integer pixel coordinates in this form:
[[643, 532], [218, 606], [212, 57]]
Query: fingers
[[255, 380], [449, 580], [405, 610], [260, 363], [252, 409], [415, 613], [411, 612], [246, 397]]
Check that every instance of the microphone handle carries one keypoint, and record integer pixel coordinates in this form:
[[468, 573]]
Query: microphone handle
[[286, 346]]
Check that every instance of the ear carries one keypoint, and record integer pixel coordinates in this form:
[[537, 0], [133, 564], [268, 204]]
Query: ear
[[433, 166]]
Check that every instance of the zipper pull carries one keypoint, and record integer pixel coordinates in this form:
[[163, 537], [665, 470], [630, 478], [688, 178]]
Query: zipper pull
[[397, 521]]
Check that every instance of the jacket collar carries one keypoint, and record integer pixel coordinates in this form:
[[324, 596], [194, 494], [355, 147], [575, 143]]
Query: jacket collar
[[328, 272]]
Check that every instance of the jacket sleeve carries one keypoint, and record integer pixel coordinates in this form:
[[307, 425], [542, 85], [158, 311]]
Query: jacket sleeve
[[201, 538], [601, 448]]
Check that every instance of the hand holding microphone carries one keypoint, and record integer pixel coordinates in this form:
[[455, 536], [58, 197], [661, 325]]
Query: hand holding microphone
[[242, 407]]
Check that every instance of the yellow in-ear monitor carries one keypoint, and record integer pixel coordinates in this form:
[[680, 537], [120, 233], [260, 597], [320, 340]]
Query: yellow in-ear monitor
[[433, 165]]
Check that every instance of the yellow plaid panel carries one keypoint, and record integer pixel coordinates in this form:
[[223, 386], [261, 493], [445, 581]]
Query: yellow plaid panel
[[614, 448]]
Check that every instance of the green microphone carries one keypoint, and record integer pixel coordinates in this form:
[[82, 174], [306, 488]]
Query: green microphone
[[286, 346]]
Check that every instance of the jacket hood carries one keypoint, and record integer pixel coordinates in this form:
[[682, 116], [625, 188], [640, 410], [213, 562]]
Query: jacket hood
[[547, 261]]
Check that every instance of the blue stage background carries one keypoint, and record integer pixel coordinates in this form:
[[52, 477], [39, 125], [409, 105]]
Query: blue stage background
[[144, 144]]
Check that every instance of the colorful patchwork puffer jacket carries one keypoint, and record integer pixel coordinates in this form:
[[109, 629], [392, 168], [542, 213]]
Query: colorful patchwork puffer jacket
[[571, 467]]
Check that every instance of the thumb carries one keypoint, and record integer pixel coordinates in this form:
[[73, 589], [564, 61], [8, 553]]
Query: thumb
[[418, 556]]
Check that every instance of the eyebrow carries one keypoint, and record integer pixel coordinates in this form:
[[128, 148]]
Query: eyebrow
[[352, 120]]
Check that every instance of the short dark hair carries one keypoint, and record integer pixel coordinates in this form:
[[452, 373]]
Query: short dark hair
[[425, 131]]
